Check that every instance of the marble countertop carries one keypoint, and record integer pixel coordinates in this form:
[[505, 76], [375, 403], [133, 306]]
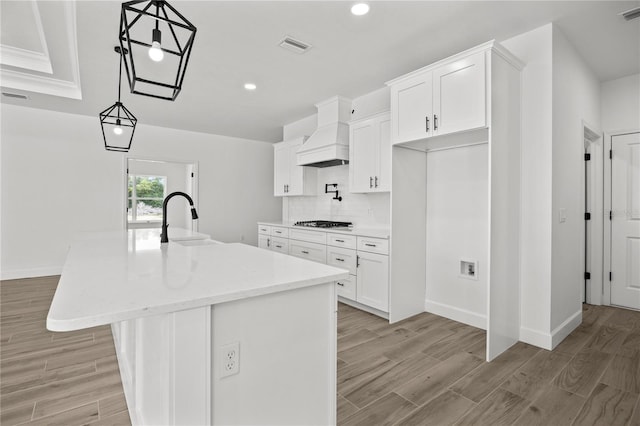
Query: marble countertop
[[114, 276], [356, 230]]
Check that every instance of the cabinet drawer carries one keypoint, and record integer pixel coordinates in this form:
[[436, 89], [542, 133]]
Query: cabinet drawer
[[347, 287], [309, 251], [342, 258], [264, 229], [373, 245], [341, 240], [280, 244], [319, 237], [278, 231]]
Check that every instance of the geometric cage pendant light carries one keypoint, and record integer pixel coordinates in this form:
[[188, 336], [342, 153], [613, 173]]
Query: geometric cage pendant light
[[157, 42], [117, 122]]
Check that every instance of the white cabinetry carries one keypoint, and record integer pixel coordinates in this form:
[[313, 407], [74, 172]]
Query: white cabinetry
[[476, 100], [289, 178], [446, 97], [370, 154], [366, 259]]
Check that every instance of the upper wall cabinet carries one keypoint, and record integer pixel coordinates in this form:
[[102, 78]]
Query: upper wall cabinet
[[447, 97], [288, 178], [370, 154]]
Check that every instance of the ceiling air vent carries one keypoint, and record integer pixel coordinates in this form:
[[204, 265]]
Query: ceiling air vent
[[294, 45], [14, 95], [631, 14]]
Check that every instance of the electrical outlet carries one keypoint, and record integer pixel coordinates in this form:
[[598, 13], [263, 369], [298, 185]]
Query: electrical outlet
[[230, 359]]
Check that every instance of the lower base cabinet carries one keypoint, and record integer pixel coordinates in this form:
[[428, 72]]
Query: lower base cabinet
[[372, 285], [366, 258]]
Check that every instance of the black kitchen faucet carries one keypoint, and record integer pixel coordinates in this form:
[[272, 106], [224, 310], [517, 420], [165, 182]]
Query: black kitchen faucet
[[164, 237]]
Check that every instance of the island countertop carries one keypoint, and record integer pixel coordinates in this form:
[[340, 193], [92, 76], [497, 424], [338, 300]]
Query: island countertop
[[115, 276]]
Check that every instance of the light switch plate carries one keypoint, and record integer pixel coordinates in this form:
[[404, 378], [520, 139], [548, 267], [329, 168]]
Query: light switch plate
[[562, 215]]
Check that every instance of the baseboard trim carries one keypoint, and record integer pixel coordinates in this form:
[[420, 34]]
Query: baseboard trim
[[549, 341], [535, 338], [456, 314], [362, 307], [563, 330], [16, 274]]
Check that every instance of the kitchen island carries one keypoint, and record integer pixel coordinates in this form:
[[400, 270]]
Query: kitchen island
[[207, 333]]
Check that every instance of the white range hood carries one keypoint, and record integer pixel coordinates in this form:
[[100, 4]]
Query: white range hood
[[329, 144]]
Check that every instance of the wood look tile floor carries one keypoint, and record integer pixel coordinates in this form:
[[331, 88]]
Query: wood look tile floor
[[51, 378], [426, 370], [429, 370]]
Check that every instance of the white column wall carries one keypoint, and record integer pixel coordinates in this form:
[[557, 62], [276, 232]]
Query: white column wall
[[534, 48], [576, 99]]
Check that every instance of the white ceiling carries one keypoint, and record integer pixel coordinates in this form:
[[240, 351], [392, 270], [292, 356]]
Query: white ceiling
[[237, 41]]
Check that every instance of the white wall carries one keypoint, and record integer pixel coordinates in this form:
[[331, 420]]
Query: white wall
[[57, 180], [576, 99], [621, 104], [457, 217], [534, 48]]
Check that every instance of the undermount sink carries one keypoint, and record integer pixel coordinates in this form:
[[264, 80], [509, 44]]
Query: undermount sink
[[204, 242]]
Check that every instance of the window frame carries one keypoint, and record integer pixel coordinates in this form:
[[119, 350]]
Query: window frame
[[134, 198]]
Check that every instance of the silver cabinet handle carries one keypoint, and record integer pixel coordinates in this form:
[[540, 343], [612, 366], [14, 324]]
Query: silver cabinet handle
[[278, 232], [340, 284], [427, 124], [370, 182], [376, 181], [268, 243], [305, 252], [339, 260], [435, 122], [357, 261], [340, 241], [279, 246], [370, 245]]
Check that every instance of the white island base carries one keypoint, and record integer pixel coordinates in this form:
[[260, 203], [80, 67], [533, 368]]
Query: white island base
[[287, 362], [174, 308]]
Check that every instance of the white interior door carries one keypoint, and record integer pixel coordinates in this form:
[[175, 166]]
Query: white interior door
[[625, 220]]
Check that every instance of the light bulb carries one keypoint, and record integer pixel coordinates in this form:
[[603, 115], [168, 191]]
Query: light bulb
[[155, 52], [360, 9], [117, 130]]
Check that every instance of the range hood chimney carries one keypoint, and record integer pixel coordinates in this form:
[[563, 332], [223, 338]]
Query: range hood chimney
[[329, 144]]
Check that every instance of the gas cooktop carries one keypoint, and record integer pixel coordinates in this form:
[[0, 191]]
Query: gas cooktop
[[323, 224]]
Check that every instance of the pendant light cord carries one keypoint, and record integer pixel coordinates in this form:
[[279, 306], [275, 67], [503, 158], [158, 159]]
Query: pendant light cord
[[119, 81]]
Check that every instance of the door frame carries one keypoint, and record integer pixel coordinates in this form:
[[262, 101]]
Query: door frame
[[125, 176], [606, 297], [593, 142]]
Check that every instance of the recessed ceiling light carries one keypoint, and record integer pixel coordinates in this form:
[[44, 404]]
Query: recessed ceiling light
[[359, 9], [250, 86]]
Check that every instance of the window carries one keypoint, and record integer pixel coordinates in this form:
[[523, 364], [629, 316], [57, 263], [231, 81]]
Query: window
[[146, 194]]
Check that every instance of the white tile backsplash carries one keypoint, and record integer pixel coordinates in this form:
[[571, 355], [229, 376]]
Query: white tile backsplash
[[364, 210]]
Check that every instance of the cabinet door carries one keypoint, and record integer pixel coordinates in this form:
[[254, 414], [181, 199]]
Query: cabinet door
[[383, 174], [347, 287], [459, 99], [296, 173], [372, 281], [280, 168], [411, 108], [362, 156], [264, 241]]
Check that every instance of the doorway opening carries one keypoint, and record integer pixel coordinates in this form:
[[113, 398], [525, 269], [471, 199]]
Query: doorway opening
[[148, 182]]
